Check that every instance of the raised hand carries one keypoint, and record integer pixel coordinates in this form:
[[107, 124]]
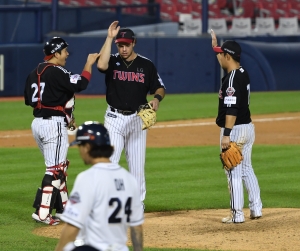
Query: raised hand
[[214, 41], [92, 58], [113, 29]]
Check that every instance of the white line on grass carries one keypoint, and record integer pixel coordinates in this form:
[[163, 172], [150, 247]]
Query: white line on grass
[[177, 125], [213, 123]]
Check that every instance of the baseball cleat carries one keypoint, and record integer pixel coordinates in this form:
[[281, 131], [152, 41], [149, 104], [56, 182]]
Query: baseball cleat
[[229, 219], [254, 217], [57, 215], [49, 220]]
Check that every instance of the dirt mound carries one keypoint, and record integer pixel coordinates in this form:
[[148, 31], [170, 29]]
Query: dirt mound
[[278, 229]]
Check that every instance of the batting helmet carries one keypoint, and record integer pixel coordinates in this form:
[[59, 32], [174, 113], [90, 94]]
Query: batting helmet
[[55, 44], [92, 132]]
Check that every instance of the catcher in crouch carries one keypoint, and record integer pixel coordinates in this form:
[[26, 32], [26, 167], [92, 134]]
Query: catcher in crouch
[[236, 125]]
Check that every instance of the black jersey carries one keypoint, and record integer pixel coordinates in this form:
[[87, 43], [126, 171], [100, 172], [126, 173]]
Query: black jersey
[[57, 88], [127, 87], [235, 92]]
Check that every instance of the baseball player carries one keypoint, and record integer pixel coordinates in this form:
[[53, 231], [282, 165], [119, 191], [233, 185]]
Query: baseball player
[[105, 199], [50, 92], [128, 77], [236, 125]]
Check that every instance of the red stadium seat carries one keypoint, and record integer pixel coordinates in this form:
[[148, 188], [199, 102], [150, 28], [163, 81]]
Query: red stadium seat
[[269, 8], [295, 8], [94, 2], [183, 8], [215, 12], [125, 2], [284, 8], [245, 8], [196, 9], [168, 12], [65, 2], [78, 2]]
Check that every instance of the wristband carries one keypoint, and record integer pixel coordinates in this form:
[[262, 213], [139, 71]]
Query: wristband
[[226, 131], [86, 74], [158, 97]]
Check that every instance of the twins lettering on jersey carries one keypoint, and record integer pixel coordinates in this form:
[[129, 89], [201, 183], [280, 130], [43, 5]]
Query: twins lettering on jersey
[[129, 76]]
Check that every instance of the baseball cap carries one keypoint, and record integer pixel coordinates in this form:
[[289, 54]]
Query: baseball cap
[[125, 35], [231, 47]]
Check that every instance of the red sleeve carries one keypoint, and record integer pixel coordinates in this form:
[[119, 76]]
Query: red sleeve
[[86, 74]]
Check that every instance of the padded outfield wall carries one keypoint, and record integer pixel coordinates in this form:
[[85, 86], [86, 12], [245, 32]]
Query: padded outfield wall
[[186, 65]]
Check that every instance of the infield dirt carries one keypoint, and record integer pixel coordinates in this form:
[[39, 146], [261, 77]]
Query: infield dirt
[[277, 230]]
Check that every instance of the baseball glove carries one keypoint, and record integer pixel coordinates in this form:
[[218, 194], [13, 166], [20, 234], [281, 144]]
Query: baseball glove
[[231, 157], [148, 115]]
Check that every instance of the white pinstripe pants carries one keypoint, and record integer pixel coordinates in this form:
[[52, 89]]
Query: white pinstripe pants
[[126, 133], [52, 139], [244, 136]]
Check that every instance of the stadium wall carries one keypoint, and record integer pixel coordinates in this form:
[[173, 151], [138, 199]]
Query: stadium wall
[[186, 65]]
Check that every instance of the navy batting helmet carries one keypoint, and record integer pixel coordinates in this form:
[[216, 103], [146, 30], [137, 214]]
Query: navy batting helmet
[[55, 44], [92, 132]]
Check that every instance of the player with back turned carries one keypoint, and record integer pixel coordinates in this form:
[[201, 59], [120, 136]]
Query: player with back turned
[[234, 119], [50, 90], [129, 77], [104, 201]]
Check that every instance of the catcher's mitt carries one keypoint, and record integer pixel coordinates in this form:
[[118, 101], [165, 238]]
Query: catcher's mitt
[[231, 157], [148, 115]]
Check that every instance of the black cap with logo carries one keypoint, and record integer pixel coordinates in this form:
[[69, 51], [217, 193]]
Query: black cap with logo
[[125, 35], [231, 47]]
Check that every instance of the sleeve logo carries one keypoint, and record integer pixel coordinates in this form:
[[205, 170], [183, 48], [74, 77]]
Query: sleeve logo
[[75, 78]]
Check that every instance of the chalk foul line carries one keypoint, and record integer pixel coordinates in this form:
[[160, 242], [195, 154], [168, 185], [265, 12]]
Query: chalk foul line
[[176, 125]]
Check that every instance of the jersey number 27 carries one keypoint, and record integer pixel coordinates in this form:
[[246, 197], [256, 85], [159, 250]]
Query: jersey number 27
[[34, 97], [127, 210]]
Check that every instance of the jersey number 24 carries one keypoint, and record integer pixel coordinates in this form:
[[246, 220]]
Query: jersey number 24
[[127, 210]]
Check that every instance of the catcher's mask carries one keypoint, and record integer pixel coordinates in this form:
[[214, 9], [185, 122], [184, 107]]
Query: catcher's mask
[[92, 132], [55, 44]]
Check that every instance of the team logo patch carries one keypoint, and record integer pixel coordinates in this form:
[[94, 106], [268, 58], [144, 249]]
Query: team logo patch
[[111, 115], [118, 64], [71, 211], [220, 94], [230, 91], [74, 78], [230, 100], [74, 198]]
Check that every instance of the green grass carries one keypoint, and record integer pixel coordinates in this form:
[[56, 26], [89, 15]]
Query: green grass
[[17, 116], [177, 179]]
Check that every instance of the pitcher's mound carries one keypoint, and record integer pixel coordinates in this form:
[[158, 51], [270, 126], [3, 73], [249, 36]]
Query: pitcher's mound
[[278, 229]]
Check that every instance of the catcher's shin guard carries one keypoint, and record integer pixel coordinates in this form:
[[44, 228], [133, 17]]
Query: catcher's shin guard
[[38, 199], [49, 194], [62, 198], [63, 193], [46, 196]]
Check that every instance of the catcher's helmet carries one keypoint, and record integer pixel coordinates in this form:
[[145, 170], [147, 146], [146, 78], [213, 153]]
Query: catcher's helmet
[[55, 44], [92, 132]]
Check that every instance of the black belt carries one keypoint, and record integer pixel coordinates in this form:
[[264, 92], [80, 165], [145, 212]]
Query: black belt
[[121, 111], [47, 118]]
